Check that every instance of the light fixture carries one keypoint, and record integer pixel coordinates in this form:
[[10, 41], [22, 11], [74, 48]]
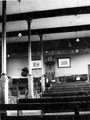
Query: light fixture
[[69, 44], [77, 50], [8, 55], [78, 20], [78, 15], [19, 34], [77, 36], [46, 52], [77, 40]]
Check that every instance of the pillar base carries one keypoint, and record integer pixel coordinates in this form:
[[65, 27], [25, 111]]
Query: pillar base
[[4, 89], [30, 87], [42, 83]]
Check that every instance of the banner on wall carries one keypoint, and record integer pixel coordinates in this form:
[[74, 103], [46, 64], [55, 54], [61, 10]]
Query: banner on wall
[[64, 62], [36, 64]]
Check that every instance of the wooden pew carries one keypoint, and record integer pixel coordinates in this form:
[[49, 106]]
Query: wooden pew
[[54, 109], [55, 99], [68, 89], [47, 107], [61, 94], [50, 117]]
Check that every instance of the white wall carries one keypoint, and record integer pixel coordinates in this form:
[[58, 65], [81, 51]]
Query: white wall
[[79, 65], [14, 66]]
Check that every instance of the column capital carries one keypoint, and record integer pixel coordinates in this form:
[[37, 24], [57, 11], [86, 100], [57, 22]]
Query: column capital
[[29, 20], [41, 34]]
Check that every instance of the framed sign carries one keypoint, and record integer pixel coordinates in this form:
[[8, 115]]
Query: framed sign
[[64, 62], [36, 64]]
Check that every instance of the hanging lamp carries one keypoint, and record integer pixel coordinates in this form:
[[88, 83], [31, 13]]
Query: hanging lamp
[[19, 34]]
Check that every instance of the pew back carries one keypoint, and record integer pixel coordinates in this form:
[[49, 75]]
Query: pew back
[[51, 108]]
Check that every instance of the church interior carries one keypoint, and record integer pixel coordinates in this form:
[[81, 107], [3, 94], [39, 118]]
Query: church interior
[[45, 59]]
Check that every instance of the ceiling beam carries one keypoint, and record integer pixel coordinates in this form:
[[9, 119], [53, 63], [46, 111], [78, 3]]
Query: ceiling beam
[[49, 30], [48, 13]]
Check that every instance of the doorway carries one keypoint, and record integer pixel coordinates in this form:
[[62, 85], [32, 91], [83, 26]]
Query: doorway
[[88, 72]]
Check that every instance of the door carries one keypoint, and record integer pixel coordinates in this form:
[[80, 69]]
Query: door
[[88, 72]]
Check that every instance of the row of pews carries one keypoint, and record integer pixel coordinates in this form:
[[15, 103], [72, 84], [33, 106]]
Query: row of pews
[[68, 89], [72, 107]]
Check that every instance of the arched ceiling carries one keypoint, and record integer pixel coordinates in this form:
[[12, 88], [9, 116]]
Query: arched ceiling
[[57, 19]]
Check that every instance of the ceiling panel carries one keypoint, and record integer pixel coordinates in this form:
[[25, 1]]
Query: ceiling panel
[[49, 22], [24, 6], [50, 37], [35, 5]]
